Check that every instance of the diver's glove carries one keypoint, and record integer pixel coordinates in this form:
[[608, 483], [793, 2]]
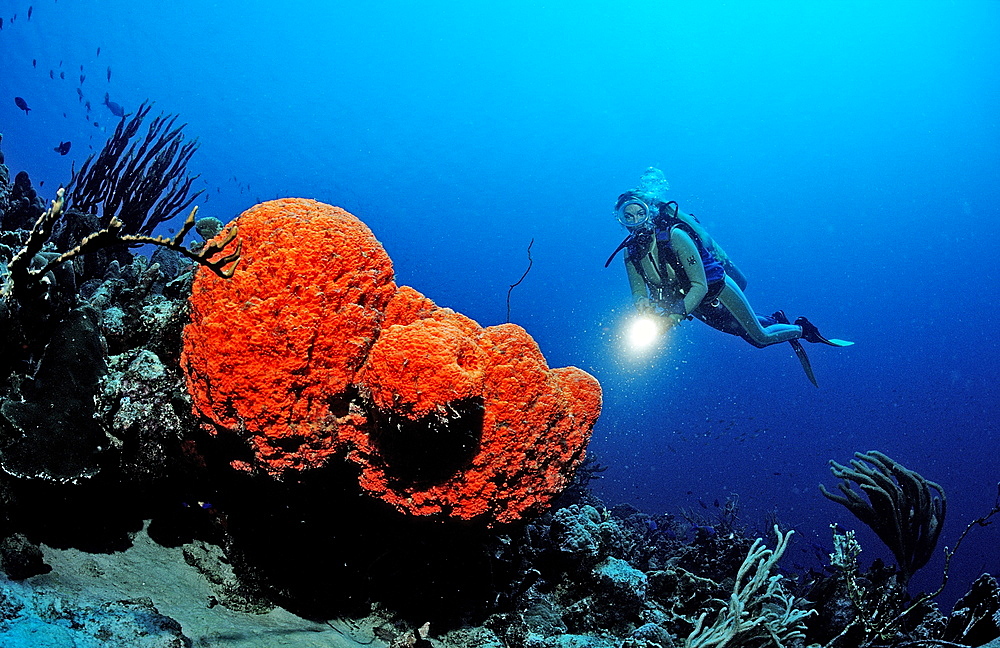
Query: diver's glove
[[643, 306]]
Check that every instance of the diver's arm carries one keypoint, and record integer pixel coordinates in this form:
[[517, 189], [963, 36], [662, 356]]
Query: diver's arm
[[687, 253], [640, 296]]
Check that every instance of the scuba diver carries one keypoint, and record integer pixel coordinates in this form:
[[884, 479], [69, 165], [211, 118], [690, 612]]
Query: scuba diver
[[678, 272]]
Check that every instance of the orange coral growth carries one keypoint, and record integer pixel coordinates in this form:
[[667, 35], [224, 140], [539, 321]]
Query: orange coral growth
[[418, 368], [424, 358], [269, 351], [311, 351], [530, 431]]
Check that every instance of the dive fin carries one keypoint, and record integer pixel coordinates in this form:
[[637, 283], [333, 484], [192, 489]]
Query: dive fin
[[800, 351], [811, 334]]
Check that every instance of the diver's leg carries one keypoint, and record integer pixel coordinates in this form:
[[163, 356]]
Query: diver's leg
[[733, 300]]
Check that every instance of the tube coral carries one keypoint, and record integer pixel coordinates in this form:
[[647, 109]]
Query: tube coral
[[311, 352]]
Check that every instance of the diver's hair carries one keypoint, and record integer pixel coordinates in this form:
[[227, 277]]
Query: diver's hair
[[637, 195], [624, 198]]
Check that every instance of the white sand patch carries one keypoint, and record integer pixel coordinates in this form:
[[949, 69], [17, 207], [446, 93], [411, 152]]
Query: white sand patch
[[179, 591]]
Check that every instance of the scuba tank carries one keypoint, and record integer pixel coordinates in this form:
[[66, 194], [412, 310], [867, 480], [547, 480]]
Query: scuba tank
[[671, 210]]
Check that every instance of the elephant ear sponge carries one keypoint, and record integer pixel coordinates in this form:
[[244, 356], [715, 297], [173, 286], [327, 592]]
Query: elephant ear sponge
[[271, 352], [311, 352]]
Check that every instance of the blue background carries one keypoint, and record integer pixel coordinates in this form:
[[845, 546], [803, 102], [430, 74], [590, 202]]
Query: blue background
[[844, 153]]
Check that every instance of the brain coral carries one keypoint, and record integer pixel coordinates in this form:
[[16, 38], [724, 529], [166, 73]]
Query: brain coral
[[311, 351]]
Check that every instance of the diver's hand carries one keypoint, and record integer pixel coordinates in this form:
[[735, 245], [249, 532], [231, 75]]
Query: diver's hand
[[643, 306], [673, 319]]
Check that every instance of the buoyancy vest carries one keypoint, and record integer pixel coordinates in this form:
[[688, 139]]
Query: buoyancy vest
[[671, 210], [664, 260], [668, 215]]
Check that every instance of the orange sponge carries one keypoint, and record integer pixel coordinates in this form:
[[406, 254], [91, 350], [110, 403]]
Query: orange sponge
[[271, 352], [311, 352]]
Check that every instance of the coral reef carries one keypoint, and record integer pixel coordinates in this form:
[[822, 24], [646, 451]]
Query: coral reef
[[58, 334], [52, 353], [322, 380], [597, 577], [23, 204], [311, 352], [137, 407], [50, 429], [976, 618], [874, 608], [759, 608], [905, 510], [20, 558]]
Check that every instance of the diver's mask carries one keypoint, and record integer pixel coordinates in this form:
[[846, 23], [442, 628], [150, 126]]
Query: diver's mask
[[635, 215]]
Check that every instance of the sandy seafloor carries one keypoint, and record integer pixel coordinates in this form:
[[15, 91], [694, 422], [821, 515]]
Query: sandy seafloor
[[177, 590]]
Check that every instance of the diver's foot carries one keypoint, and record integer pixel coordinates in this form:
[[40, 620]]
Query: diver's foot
[[809, 331], [811, 334]]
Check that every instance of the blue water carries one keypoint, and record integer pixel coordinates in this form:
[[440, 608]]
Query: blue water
[[845, 156]]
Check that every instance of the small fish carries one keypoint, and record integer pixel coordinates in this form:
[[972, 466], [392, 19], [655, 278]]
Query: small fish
[[96, 124], [81, 67], [83, 77], [109, 73], [64, 115], [63, 148], [31, 10], [88, 106], [62, 75], [79, 93], [22, 104], [34, 63], [41, 183], [1, 23], [98, 51], [52, 74], [115, 108]]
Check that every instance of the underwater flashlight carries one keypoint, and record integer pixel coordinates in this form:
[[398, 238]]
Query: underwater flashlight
[[642, 333]]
